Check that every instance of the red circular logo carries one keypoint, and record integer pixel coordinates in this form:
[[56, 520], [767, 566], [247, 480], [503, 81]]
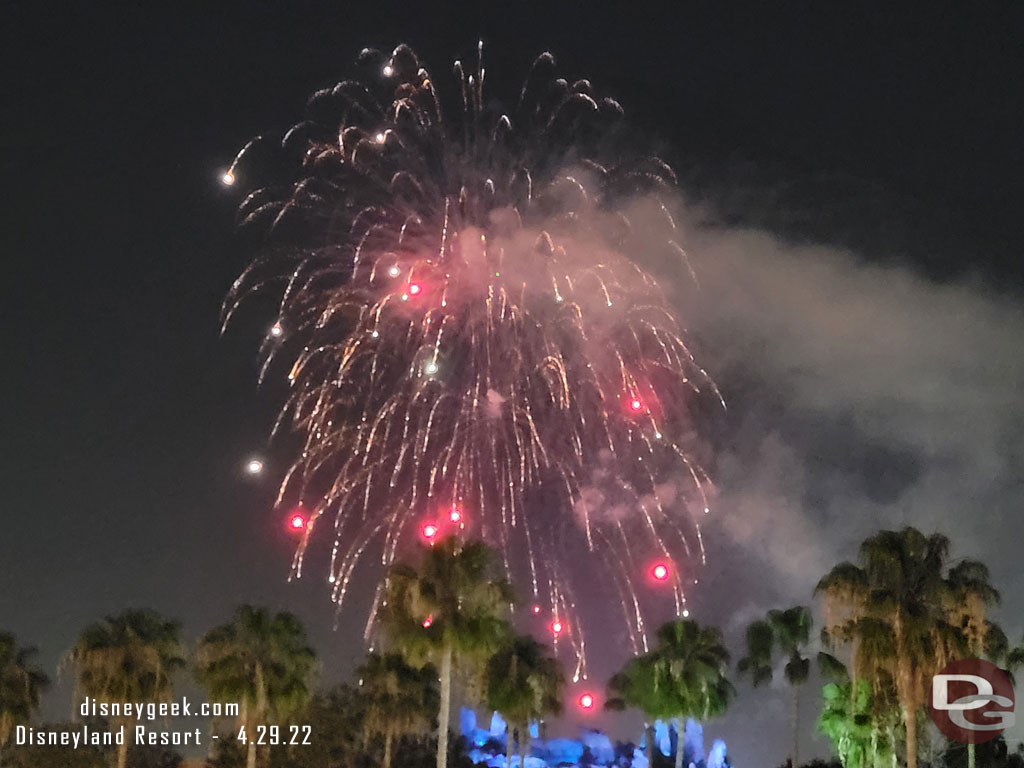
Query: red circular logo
[[971, 701]]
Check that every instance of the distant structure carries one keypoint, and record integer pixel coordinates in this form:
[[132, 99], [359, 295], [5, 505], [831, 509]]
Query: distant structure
[[592, 748]]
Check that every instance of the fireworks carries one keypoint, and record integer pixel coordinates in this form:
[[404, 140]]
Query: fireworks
[[470, 321]]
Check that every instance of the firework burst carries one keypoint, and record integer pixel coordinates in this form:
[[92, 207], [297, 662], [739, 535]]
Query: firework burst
[[474, 338]]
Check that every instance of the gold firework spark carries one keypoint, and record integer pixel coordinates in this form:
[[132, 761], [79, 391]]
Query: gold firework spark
[[476, 342]]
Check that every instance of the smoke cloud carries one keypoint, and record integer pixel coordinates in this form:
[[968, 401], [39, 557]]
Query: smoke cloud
[[861, 396]]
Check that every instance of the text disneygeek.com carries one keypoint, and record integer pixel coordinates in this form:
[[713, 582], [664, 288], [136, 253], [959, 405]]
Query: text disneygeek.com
[[119, 731]]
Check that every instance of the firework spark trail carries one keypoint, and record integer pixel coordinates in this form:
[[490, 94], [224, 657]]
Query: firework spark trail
[[471, 322]]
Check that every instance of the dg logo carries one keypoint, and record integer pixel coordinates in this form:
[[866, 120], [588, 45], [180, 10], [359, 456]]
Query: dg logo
[[972, 701]]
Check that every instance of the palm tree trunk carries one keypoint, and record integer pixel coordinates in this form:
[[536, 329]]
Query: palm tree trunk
[[210, 750], [508, 745], [388, 736], [679, 742], [910, 720], [6, 726], [261, 704], [795, 744], [122, 748], [446, 704], [250, 754]]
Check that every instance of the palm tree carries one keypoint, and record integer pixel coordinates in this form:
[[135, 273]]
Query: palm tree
[[448, 612], [261, 660], [973, 594], [397, 698], [994, 647], [894, 609], [861, 722], [693, 663], [998, 651], [523, 683], [636, 685], [130, 657], [788, 632], [21, 685], [684, 676]]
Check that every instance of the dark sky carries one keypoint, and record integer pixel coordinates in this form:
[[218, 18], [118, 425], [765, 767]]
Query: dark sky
[[880, 128]]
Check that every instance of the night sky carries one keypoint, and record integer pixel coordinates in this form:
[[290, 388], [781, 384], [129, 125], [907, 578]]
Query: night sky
[[853, 182]]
